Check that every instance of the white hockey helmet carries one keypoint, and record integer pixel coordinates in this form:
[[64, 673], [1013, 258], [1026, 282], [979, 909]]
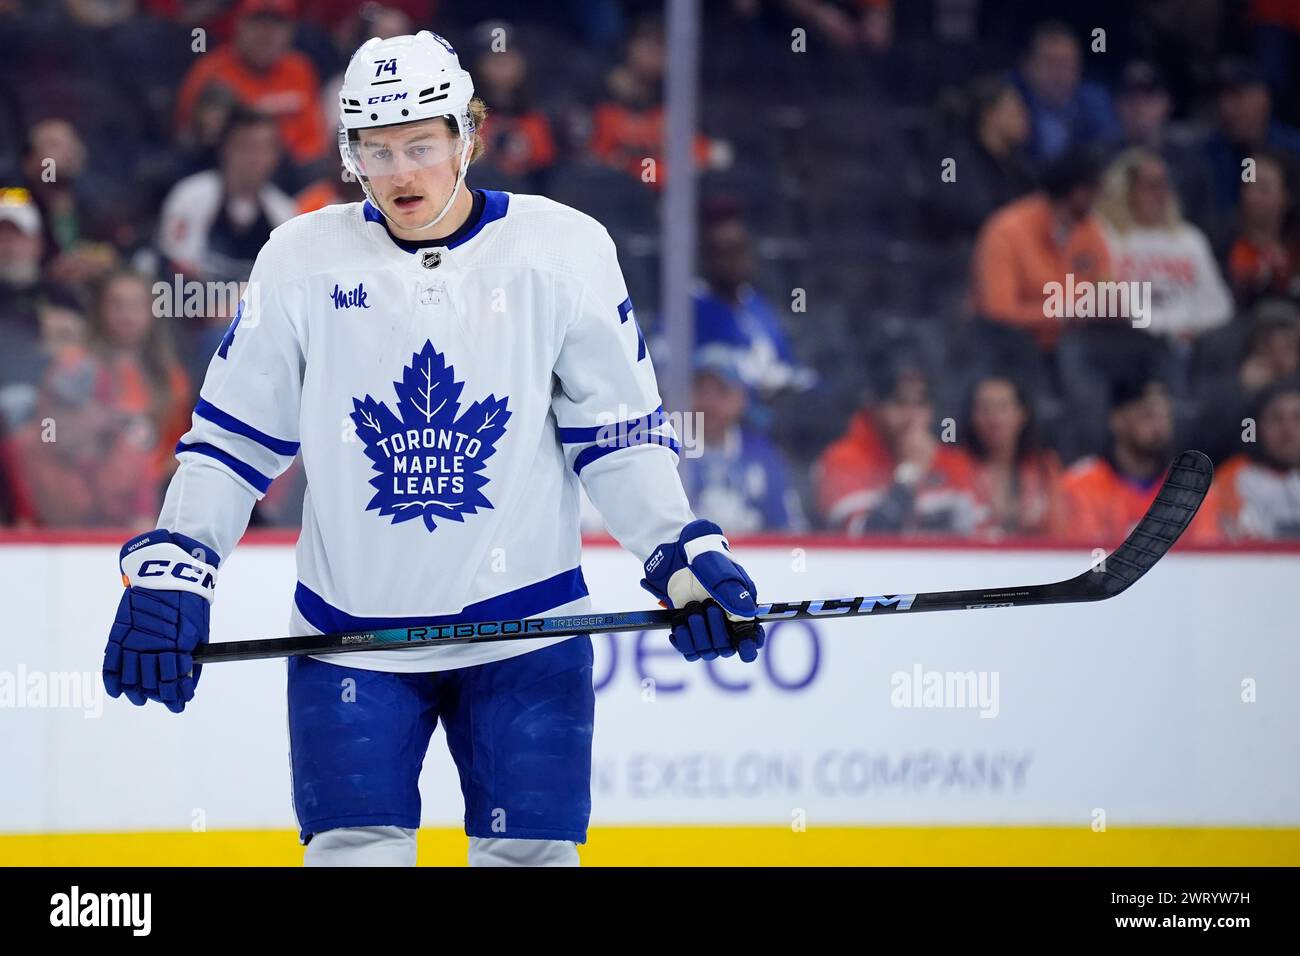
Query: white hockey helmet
[[404, 79]]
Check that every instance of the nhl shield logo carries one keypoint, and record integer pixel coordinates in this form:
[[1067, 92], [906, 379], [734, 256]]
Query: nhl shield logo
[[431, 259]]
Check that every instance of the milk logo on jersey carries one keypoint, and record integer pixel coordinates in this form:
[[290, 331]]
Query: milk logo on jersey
[[356, 298], [428, 456]]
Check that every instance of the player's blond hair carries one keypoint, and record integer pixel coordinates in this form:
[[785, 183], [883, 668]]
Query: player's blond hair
[[477, 113]]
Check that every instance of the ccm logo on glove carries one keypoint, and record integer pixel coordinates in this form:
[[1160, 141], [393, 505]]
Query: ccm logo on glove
[[179, 569], [162, 565]]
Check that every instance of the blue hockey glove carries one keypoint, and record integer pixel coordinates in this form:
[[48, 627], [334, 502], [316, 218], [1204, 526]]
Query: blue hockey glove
[[697, 575], [162, 618]]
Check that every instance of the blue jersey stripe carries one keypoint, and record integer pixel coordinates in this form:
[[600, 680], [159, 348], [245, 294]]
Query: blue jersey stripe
[[596, 452], [527, 601], [244, 470], [611, 432], [205, 409]]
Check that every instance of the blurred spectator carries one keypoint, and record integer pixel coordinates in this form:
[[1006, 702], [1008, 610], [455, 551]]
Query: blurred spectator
[[1143, 105], [198, 142], [517, 131], [338, 187], [60, 333], [1015, 475], [1271, 355], [627, 125], [281, 506], [1277, 43], [863, 24], [1246, 127], [79, 462], [262, 71], [77, 227], [889, 474], [214, 222], [134, 348], [1040, 239], [197, 338], [15, 506], [1264, 258], [21, 351], [1106, 495], [731, 314], [990, 166], [1066, 112], [740, 480], [1259, 489], [1151, 242], [347, 19]]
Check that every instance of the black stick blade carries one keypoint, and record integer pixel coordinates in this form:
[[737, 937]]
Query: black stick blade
[[1174, 507]]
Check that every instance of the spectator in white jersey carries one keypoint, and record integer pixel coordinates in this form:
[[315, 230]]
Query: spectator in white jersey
[[1260, 487], [1151, 243], [214, 222]]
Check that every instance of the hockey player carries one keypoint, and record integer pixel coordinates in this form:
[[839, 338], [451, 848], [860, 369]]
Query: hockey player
[[450, 363]]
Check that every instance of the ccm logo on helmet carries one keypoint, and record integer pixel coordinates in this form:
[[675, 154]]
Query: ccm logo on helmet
[[156, 568], [386, 98], [443, 40]]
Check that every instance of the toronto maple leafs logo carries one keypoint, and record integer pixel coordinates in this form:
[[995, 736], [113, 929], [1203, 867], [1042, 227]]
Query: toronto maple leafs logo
[[429, 460]]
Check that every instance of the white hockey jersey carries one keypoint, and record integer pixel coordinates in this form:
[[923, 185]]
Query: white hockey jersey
[[447, 400]]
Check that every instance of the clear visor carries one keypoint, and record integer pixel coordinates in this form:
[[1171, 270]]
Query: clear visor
[[390, 151]]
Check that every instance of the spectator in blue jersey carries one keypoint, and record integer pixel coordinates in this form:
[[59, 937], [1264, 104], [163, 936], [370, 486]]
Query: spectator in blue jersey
[[1246, 127], [731, 314], [1066, 111], [740, 478]]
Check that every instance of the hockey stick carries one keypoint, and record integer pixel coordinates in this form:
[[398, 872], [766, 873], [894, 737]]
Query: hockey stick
[[1176, 503]]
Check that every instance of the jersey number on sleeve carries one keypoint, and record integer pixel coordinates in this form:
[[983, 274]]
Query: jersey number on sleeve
[[624, 313], [228, 339]]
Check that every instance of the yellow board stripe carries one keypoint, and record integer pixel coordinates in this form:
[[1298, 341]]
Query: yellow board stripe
[[722, 846]]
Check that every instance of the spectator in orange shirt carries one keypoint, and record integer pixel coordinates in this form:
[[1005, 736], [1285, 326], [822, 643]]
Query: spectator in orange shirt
[[627, 127], [1259, 489], [1043, 238], [147, 386], [78, 462], [517, 133], [1016, 477], [889, 474], [1264, 259], [1106, 496], [265, 75], [340, 186]]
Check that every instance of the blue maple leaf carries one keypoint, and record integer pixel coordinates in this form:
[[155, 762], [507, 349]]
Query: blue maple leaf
[[428, 456]]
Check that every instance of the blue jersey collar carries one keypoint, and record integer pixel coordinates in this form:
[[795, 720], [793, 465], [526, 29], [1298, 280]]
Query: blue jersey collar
[[489, 206]]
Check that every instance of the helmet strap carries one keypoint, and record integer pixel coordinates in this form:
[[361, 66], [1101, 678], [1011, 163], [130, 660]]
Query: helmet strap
[[467, 146]]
